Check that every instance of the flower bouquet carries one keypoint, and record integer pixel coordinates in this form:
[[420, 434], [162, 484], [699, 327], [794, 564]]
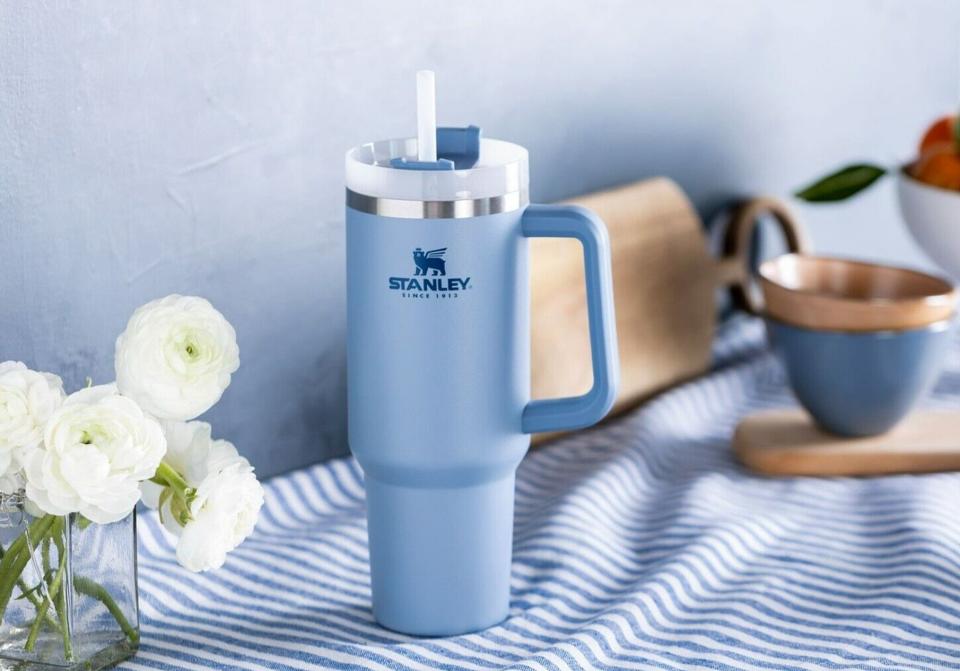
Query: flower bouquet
[[73, 468]]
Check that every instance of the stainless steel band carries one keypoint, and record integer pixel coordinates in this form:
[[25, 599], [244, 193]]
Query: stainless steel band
[[436, 209]]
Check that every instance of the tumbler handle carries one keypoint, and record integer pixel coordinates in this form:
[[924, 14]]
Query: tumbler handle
[[574, 412]]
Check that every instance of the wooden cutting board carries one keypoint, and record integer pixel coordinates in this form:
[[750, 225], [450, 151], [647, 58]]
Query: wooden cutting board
[[786, 442], [663, 292], [664, 283]]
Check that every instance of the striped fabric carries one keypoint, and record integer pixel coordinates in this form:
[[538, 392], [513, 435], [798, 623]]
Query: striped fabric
[[639, 545]]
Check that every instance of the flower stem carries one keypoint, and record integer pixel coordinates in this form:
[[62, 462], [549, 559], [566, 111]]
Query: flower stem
[[177, 491], [169, 474], [16, 558], [90, 588], [30, 595], [39, 604], [52, 594], [35, 626], [60, 600]]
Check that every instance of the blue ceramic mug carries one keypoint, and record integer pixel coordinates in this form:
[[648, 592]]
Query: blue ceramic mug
[[860, 384], [861, 342]]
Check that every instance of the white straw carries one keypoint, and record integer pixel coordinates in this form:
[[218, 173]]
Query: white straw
[[426, 116]]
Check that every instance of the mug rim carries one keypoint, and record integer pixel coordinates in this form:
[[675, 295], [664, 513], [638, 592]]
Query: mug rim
[[819, 308], [932, 327], [950, 289]]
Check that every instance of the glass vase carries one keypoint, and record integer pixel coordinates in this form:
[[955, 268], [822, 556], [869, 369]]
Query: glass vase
[[68, 590]]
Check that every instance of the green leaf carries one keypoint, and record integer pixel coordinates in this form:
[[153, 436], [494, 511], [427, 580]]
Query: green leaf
[[26, 595], [842, 184]]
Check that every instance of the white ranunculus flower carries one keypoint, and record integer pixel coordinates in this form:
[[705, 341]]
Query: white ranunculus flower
[[227, 498], [224, 513], [193, 453], [27, 399], [97, 448], [176, 356]]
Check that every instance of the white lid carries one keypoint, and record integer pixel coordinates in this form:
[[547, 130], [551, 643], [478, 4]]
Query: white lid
[[500, 170]]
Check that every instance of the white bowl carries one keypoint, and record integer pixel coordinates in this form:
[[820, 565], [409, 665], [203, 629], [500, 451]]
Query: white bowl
[[932, 215]]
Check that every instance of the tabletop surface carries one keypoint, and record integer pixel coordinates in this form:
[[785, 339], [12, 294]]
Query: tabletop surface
[[639, 544]]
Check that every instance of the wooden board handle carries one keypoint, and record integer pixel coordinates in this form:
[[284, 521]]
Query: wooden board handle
[[664, 290], [734, 269]]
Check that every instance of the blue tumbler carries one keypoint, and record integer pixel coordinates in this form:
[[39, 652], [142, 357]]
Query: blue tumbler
[[438, 366]]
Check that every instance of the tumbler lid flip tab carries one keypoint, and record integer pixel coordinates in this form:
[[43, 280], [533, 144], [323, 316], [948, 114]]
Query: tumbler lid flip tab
[[448, 165]]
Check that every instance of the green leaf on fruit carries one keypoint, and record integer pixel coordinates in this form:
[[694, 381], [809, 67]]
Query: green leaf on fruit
[[842, 184]]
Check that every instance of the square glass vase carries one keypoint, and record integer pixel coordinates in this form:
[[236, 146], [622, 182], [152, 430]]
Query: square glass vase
[[68, 590]]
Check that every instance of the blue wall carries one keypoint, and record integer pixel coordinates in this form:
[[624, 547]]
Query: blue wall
[[157, 147]]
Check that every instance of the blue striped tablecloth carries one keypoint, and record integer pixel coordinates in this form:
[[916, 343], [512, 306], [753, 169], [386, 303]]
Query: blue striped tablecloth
[[641, 544]]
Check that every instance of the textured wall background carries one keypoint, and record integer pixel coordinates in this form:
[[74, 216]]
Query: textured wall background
[[157, 147]]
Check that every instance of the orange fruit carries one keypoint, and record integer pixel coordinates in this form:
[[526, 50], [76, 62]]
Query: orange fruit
[[939, 132], [939, 165]]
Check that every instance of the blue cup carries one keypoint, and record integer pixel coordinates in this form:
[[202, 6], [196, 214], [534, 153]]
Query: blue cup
[[438, 367], [860, 384], [861, 342]]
